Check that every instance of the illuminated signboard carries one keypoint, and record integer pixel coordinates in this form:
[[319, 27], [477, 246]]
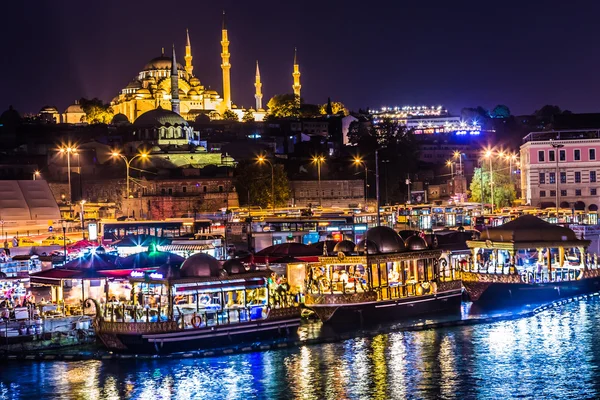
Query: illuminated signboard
[[92, 231], [137, 274]]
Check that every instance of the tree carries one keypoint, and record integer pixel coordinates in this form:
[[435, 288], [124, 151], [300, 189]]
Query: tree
[[96, 112], [283, 106], [504, 189], [229, 115], [356, 132], [248, 116], [548, 111], [500, 111], [334, 108], [253, 184]]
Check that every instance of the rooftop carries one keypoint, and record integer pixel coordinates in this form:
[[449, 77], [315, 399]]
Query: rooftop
[[576, 134]]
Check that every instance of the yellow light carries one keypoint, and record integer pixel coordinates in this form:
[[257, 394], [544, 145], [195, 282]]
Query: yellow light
[[357, 160], [501, 153], [448, 163], [488, 154], [62, 150], [456, 154], [144, 155], [37, 173], [322, 159], [115, 154], [83, 202]]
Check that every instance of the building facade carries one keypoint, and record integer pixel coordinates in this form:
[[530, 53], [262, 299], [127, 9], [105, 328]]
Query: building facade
[[563, 163], [327, 193]]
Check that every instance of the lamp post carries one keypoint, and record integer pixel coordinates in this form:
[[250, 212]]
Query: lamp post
[[35, 175], [488, 155], [82, 202], [386, 162], [458, 154], [557, 147], [319, 160], [64, 229], [68, 151], [262, 160], [377, 186], [360, 161], [128, 164]]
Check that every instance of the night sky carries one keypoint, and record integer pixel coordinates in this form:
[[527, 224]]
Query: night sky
[[363, 53]]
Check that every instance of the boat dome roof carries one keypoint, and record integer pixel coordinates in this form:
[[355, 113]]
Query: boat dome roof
[[385, 239], [345, 246], [415, 243], [234, 266], [200, 265], [370, 246]]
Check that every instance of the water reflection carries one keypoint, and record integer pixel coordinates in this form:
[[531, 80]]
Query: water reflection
[[552, 355]]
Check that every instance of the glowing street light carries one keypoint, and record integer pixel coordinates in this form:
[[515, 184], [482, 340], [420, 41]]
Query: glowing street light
[[488, 155], [450, 164], [359, 161], [82, 203], [68, 150], [262, 160], [319, 160], [36, 174], [128, 162]]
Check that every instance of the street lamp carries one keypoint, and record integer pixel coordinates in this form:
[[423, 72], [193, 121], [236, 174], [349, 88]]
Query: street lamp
[[450, 164], [262, 160], [69, 150], [64, 229], [360, 161], [319, 160], [458, 154], [128, 164], [82, 202], [488, 155], [36, 174], [556, 147]]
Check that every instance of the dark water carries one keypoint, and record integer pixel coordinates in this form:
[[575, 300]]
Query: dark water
[[553, 355]]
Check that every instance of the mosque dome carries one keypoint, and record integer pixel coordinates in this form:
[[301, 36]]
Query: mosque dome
[[134, 85], [385, 239], [370, 246], [200, 265], [192, 92], [120, 119], [195, 81], [162, 62], [234, 266], [74, 108], [415, 243], [143, 93], [160, 117], [49, 110], [155, 149], [345, 246]]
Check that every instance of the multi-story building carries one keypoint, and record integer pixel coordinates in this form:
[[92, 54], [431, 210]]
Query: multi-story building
[[565, 161], [328, 193]]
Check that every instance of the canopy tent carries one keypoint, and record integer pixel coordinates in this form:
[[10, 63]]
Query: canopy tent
[[27, 200], [528, 231], [153, 259]]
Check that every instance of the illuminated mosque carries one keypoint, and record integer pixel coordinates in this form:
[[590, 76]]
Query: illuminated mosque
[[153, 88]]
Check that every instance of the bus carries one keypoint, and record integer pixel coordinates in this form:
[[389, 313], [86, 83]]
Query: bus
[[112, 230]]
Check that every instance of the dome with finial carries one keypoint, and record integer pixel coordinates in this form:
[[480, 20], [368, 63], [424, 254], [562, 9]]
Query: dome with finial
[[160, 117], [416, 243], [161, 63], [200, 265], [234, 266], [367, 246], [385, 239], [120, 119], [345, 246], [10, 117]]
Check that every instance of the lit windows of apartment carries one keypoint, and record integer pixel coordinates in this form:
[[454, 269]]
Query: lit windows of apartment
[[552, 177], [563, 177]]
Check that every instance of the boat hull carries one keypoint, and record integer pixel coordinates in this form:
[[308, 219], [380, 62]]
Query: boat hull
[[377, 312], [147, 339], [502, 293]]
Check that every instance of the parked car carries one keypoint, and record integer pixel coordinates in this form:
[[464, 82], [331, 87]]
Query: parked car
[[56, 241]]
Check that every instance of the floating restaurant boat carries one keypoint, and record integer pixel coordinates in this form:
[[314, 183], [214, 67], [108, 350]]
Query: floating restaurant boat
[[381, 279], [201, 305], [529, 259]]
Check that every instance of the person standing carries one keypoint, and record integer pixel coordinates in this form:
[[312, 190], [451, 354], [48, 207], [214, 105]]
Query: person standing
[[6, 248]]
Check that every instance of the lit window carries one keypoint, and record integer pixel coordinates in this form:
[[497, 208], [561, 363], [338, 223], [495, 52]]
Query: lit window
[[552, 177]]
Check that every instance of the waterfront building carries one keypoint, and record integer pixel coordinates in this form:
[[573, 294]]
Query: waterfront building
[[428, 120], [563, 166], [327, 193]]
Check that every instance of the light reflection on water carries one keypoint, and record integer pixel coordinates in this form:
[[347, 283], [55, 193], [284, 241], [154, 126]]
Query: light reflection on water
[[555, 354]]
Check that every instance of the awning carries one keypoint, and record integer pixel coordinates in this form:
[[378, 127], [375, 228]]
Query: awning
[[185, 247]]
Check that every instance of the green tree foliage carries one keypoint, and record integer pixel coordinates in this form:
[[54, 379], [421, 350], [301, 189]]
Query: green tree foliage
[[333, 108], [283, 106], [229, 115], [96, 112], [248, 116], [500, 111], [253, 184], [504, 190]]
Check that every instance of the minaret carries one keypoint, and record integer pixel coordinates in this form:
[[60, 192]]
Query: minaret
[[188, 55], [296, 75], [174, 84], [258, 95], [225, 66]]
